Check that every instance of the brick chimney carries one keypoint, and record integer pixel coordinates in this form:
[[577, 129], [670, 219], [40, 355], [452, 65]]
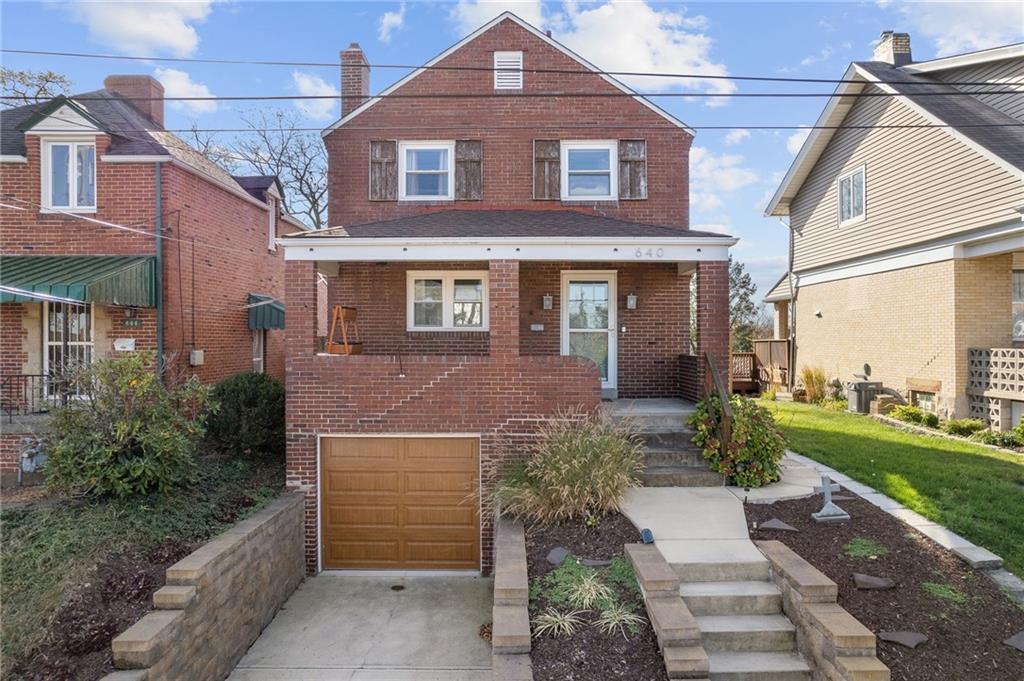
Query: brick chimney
[[893, 48], [355, 79], [145, 93]]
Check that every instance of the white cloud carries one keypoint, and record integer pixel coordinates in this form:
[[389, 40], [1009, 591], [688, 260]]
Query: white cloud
[[713, 176], [620, 35], [736, 136], [822, 55], [311, 84], [796, 140], [390, 22], [143, 27], [470, 15], [956, 27], [179, 84]]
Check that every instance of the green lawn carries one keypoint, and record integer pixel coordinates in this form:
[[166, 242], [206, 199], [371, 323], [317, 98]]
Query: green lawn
[[975, 491], [50, 546]]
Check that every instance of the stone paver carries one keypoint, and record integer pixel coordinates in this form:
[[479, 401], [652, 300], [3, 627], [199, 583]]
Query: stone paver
[[346, 628]]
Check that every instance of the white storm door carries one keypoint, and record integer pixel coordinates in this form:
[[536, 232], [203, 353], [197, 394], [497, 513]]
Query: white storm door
[[588, 320]]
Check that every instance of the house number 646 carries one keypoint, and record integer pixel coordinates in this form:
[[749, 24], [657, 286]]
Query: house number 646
[[650, 253]]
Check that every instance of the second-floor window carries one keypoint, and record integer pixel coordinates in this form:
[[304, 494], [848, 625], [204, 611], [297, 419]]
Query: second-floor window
[[851, 196], [69, 175], [272, 224], [425, 171], [589, 171]]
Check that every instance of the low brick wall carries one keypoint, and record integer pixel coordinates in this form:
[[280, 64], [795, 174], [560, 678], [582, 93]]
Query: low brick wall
[[836, 644], [218, 599], [510, 627]]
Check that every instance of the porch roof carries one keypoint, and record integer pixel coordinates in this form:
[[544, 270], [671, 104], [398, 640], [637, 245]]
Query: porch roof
[[104, 279], [506, 234]]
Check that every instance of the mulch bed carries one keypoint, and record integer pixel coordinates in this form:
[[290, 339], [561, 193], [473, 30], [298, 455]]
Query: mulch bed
[[590, 654], [119, 593], [966, 639]]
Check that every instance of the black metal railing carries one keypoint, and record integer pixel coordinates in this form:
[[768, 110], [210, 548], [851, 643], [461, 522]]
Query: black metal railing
[[26, 394]]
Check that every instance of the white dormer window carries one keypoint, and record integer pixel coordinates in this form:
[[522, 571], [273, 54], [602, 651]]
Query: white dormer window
[[69, 175], [508, 70], [851, 197]]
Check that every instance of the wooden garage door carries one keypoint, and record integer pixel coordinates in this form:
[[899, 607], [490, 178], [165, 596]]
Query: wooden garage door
[[400, 503]]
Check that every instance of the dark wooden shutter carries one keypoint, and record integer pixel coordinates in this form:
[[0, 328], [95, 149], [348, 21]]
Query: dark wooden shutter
[[632, 169], [383, 170], [469, 174], [547, 170]]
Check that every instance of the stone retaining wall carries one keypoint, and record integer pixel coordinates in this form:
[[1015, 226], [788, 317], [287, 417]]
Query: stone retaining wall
[[836, 644], [510, 628], [218, 599]]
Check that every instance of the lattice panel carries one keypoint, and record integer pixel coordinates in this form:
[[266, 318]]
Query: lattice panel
[[988, 409], [995, 369]]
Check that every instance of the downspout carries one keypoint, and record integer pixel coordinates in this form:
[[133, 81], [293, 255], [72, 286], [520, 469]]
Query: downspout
[[159, 270], [791, 331]]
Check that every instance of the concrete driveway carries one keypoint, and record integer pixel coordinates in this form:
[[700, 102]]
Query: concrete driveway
[[337, 627]]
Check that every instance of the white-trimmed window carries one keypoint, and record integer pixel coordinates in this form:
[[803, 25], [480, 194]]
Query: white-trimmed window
[[590, 170], [446, 300], [852, 206], [508, 70], [69, 175], [272, 224], [425, 171], [259, 348]]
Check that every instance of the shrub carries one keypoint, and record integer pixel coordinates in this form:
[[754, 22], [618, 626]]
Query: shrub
[[834, 404], [1008, 439], [250, 417], [911, 414], [578, 468], [963, 427], [131, 436], [815, 383], [752, 458], [769, 395]]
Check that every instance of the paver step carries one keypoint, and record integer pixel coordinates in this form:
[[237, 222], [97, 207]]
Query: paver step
[[680, 476], [758, 667], [747, 633], [732, 598], [666, 456]]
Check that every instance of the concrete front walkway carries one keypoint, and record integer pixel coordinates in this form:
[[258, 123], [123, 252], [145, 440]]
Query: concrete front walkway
[[338, 627]]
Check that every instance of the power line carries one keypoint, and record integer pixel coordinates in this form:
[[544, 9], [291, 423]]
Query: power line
[[438, 67]]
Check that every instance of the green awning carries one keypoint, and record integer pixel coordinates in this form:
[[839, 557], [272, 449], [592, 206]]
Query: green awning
[[105, 279], [267, 312]]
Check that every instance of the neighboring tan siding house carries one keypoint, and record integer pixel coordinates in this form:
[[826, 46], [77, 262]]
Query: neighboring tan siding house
[[906, 239], [87, 182]]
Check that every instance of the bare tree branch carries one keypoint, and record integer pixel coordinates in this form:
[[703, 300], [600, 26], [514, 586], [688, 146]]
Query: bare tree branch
[[207, 145], [28, 87]]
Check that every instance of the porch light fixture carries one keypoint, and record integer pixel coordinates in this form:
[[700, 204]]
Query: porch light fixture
[[548, 301], [631, 301]]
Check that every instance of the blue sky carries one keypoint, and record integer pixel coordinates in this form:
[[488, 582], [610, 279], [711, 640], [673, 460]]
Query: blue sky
[[733, 172]]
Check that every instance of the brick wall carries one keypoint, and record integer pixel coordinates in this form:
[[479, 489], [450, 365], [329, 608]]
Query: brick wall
[[507, 126], [218, 599], [501, 396]]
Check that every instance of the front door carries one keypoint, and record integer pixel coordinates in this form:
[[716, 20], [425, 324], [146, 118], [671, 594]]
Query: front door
[[588, 321]]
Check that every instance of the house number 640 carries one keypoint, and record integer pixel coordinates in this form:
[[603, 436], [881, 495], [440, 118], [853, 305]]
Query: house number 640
[[650, 253]]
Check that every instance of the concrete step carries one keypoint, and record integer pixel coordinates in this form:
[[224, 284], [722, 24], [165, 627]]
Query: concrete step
[[747, 633], [665, 456], [758, 667], [677, 440], [732, 598], [680, 476], [726, 571]]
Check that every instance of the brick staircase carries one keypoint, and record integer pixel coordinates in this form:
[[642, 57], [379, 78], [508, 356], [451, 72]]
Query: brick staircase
[[671, 458]]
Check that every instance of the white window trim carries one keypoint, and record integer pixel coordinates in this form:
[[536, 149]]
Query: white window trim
[[47, 342], [46, 176], [500, 56], [444, 144], [259, 352], [862, 169], [272, 224], [447, 278], [613, 167]]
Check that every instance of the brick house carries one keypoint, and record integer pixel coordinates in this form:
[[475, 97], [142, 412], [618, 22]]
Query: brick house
[[908, 242], [86, 183], [507, 257]]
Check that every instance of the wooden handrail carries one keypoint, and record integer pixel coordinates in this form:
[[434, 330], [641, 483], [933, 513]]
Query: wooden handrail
[[713, 385]]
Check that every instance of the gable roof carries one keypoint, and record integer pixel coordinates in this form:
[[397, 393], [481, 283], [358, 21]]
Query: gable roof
[[373, 99], [780, 291], [962, 114], [257, 185]]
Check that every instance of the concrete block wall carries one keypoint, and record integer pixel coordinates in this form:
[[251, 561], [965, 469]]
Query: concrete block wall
[[218, 599]]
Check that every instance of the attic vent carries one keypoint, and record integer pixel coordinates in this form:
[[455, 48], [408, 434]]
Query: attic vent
[[508, 70]]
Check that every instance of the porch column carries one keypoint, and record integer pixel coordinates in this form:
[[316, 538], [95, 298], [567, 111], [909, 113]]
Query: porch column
[[503, 309], [713, 313], [300, 308]]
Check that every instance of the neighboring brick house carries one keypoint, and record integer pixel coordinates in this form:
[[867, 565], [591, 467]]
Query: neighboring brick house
[[508, 258], [907, 241], [86, 183]]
